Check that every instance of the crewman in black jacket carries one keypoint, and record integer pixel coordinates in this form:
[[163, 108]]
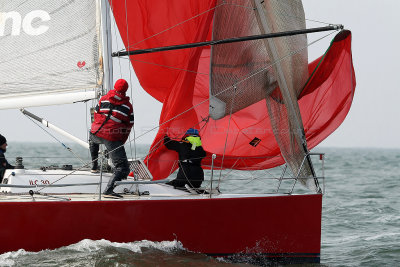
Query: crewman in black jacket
[[3, 162], [190, 153]]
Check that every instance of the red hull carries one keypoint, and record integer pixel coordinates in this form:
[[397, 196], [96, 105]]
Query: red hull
[[278, 227]]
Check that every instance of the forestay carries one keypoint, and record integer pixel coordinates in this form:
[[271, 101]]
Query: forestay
[[50, 52]]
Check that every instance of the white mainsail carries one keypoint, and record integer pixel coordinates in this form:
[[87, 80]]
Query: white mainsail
[[49, 57]]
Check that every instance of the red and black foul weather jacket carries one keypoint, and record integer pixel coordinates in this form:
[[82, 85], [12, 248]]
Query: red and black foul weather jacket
[[118, 123]]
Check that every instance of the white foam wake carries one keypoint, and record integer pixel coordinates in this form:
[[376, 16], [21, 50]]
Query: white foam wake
[[7, 259], [88, 245]]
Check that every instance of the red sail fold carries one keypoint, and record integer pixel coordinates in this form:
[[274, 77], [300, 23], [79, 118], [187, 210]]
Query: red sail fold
[[180, 79]]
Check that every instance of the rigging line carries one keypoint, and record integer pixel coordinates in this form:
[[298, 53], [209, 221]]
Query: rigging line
[[231, 170], [251, 160], [326, 23], [35, 157], [116, 37], [227, 132], [156, 147], [279, 60], [252, 172], [87, 125], [248, 181], [300, 18], [187, 179], [200, 103], [262, 178], [165, 66], [158, 144], [107, 40], [130, 79], [180, 114], [239, 82], [101, 157], [134, 144], [265, 171], [284, 15], [50, 46], [66, 147], [239, 186], [176, 25], [206, 120], [173, 167], [69, 149], [66, 175], [237, 5], [319, 39], [226, 175], [119, 61]]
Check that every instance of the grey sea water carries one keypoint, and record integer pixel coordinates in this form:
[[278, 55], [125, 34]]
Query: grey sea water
[[360, 218]]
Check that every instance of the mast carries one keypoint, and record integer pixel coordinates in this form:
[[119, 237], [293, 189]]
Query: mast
[[107, 46]]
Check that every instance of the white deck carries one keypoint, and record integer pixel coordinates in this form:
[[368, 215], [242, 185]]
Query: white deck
[[66, 185]]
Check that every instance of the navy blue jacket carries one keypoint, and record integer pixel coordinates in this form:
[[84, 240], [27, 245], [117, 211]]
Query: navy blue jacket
[[4, 165]]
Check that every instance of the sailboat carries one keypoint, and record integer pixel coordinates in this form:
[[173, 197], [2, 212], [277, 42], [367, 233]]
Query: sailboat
[[237, 70]]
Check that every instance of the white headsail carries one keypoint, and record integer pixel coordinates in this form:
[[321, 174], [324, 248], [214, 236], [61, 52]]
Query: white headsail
[[272, 69], [51, 52]]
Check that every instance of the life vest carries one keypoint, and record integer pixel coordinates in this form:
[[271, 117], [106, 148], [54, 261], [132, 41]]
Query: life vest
[[194, 140], [113, 117]]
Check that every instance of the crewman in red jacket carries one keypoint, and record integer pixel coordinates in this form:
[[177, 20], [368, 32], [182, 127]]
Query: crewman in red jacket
[[113, 120]]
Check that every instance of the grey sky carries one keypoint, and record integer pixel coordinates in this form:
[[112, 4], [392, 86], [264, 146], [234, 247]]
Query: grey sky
[[371, 122]]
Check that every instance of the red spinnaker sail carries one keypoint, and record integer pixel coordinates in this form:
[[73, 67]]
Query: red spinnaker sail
[[180, 79]]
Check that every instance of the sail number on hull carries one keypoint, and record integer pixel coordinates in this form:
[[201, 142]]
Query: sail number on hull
[[38, 182]]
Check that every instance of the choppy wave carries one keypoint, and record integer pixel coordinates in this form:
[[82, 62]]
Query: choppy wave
[[83, 251]]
